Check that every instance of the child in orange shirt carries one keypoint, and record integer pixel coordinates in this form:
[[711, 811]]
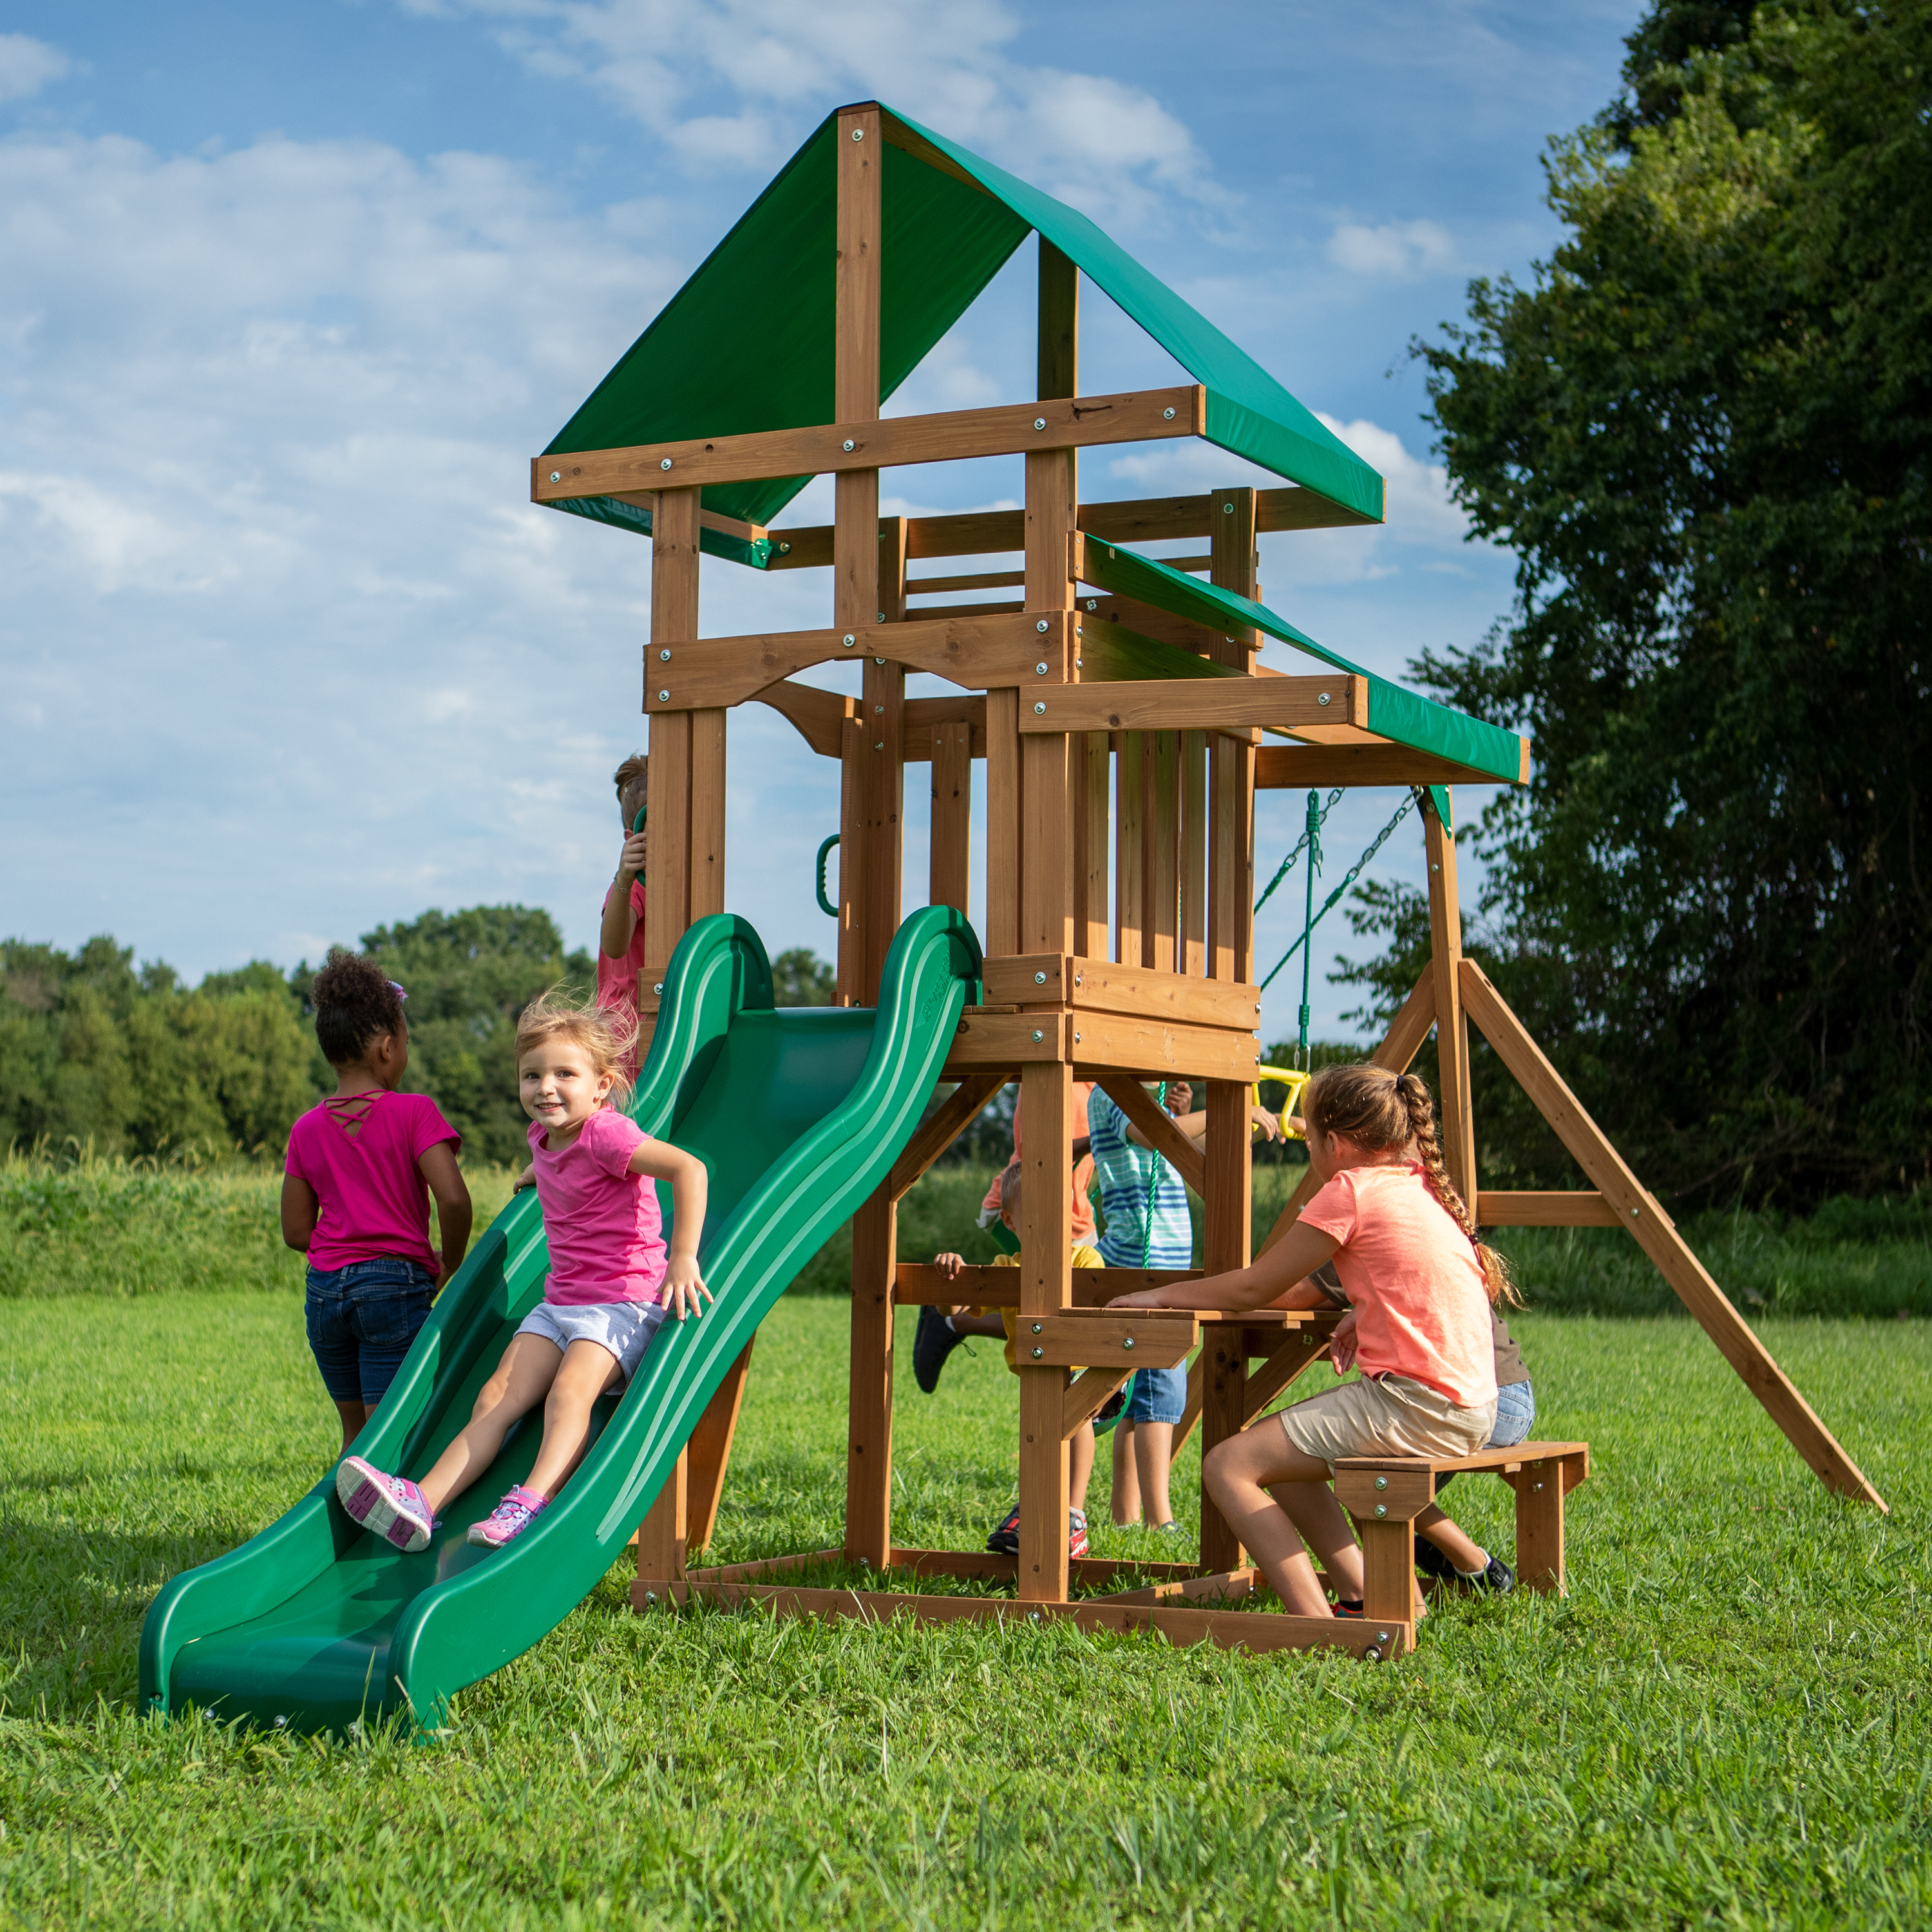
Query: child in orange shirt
[[1422, 1286]]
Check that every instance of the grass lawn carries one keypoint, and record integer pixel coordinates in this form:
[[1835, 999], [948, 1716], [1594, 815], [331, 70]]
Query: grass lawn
[[1726, 1722]]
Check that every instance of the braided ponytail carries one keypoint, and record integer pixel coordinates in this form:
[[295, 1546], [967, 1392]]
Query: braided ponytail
[[1381, 1110]]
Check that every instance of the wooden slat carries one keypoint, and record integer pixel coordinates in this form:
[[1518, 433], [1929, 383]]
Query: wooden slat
[[1167, 1141], [1106, 1338], [1130, 849], [763, 1568], [1090, 1573], [818, 716], [1161, 809], [1232, 517], [1002, 822], [1208, 704], [859, 443], [924, 716], [975, 580], [1301, 767], [1109, 1043], [950, 837], [1298, 1352], [962, 1107], [1452, 1036], [1563, 1207], [975, 652], [1192, 774], [919, 1284], [1222, 1586], [1640, 1211], [711, 1453], [1400, 1045], [1097, 985]]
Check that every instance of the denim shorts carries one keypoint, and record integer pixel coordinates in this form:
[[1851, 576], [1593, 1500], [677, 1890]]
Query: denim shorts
[[1160, 1395], [1516, 1416], [362, 1320]]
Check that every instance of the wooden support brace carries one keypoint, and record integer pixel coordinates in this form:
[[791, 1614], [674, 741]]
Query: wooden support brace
[[1087, 1395], [962, 1107]]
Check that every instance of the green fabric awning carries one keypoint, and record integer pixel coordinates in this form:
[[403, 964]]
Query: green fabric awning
[[747, 344], [1393, 713]]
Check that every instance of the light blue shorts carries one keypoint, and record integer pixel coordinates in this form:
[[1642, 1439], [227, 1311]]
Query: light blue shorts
[[625, 1329]]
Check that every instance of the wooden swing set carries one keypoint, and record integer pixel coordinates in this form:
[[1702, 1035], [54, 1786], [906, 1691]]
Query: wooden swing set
[[1117, 708]]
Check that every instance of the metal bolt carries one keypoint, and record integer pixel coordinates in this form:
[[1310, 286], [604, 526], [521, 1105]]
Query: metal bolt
[[1039, 670], [663, 657], [880, 745], [1127, 1343], [1039, 979], [858, 134], [850, 641], [1040, 422], [1038, 1328], [664, 697], [878, 661], [879, 709], [1382, 1509], [1032, 1616], [556, 476], [1371, 1655], [665, 464], [1381, 1482], [658, 988], [1381, 1636], [1536, 1485], [1093, 603], [849, 446], [1076, 1040], [1042, 627], [1039, 711], [1038, 1036], [1167, 415], [784, 550], [1322, 697], [1037, 1353], [1227, 509], [882, 616]]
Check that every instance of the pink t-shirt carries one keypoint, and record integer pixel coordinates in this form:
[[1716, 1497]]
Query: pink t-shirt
[[372, 1198], [1413, 1279], [606, 1236]]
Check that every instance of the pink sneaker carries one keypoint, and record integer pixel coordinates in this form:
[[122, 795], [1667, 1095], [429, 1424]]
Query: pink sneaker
[[390, 1507], [511, 1517]]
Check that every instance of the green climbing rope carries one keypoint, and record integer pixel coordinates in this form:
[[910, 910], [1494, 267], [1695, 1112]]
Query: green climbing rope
[[1287, 865]]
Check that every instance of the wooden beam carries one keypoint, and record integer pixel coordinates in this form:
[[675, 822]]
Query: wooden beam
[[711, 1453], [1563, 1207], [1192, 704], [1098, 985], [950, 836], [1305, 767], [1452, 1036], [862, 443], [919, 1284], [1657, 1234], [960, 1109], [664, 1537], [1167, 1140], [818, 715], [1087, 1395], [924, 716], [1108, 1338], [1110, 1043]]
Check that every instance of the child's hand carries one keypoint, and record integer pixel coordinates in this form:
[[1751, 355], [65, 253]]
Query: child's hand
[[1179, 1097], [1145, 1297], [1269, 1126], [528, 1178], [631, 864], [950, 1265], [682, 1285], [1342, 1344]]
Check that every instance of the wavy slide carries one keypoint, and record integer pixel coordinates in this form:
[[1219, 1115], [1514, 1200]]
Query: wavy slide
[[798, 1115]]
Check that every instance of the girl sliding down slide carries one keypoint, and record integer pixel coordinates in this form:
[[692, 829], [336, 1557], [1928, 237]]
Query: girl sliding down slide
[[1421, 1285], [611, 1279]]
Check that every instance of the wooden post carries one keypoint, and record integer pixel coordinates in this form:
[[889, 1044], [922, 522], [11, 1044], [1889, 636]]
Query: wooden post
[[1230, 918], [875, 754], [1224, 1245], [663, 1538], [707, 814], [1130, 848], [673, 624], [1452, 1035], [1091, 929], [1539, 1526], [709, 1452], [1046, 1235], [951, 845]]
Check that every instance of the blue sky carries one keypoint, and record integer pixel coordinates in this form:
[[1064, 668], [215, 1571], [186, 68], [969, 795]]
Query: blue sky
[[291, 294]]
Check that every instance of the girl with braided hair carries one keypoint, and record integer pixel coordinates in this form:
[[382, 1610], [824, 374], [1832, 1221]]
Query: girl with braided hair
[[1421, 1285]]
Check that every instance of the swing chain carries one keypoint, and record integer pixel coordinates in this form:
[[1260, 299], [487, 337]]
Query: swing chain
[[1301, 845], [1349, 879]]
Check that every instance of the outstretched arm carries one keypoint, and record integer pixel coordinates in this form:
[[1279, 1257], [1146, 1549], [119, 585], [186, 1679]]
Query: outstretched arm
[[1274, 1273], [437, 1166], [690, 1190], [620, 920]]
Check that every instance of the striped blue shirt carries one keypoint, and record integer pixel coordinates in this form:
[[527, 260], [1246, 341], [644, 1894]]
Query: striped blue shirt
[[1124, 1168]]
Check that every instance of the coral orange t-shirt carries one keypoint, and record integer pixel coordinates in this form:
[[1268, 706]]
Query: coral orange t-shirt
[[1414, 1279], [1083, 1170]]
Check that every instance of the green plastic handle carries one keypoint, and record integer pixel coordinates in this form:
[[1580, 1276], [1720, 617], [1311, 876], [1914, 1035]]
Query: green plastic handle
[[825, 905]]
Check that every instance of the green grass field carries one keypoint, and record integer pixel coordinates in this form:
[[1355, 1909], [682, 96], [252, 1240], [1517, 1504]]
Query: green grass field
[[1725, 1722]]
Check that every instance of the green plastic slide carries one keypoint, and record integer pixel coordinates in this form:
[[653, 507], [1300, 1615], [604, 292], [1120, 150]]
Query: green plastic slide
[[797, 1115]]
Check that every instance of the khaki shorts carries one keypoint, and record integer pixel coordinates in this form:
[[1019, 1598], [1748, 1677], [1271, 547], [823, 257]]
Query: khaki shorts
[[1391, 1416]]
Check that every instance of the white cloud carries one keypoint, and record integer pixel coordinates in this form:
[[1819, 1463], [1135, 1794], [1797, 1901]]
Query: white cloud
[[26, 66], [733, 85], [1400, 249]]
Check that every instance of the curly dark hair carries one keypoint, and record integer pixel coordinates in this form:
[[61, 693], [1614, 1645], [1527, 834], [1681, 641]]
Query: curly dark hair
[[354, 1004]]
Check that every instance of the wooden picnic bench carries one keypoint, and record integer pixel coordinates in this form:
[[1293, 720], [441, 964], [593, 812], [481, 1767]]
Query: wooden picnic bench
[[1385, 1494]]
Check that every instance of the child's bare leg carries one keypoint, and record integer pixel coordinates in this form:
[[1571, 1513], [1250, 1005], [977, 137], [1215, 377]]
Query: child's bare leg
[[1153, 1454], [1239, 1474], [1468, 1557], [965, 1324], [588, 1370], [354, 1414], [1126, 1476], [529, 1366], [1080, 1466]]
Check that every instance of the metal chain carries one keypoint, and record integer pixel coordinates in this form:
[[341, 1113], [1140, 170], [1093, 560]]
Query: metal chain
[[1300, 846], [1353, 872]]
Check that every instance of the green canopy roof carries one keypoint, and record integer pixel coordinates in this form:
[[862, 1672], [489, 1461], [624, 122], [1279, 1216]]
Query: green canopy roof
[[747, 344]]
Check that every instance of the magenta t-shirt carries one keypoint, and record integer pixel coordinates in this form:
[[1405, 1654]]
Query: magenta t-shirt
[[606, 1236], [372, 1200]]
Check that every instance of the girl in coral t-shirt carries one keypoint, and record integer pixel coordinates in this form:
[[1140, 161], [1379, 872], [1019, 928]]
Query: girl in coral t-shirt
[[611, 1280], [1421, 1287]]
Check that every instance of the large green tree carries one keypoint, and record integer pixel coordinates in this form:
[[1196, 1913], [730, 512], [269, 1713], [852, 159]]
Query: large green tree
[[1705, 429]]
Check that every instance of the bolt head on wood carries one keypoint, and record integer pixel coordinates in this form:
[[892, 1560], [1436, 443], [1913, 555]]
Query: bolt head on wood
[[858, 134], [556, 475], [664, 697], [1167, 415], [1039, 711], [1039, 979], [850, 641], [849, 446], [1038, 1036], [1041, 627], [1040, 422], [663, 657], [1038, 1353], [1227, 509], [1039, 669], [665, 464], [1322, 697]]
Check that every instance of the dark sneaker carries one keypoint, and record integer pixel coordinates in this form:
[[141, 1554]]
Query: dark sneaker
[[1005, 1540], [1077, 1544], [1498, 1578], [1348, 1606], [932, 1342], [1432, 1562]]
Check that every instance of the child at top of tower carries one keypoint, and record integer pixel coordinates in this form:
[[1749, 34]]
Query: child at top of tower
[[620, 938], [611, 1278], [356, 1181], [1421, 1285]]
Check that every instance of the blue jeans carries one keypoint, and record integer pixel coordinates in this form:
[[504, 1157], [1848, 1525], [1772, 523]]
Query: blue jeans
[[1516, 1415], [1159, 1395], [362, 1319]]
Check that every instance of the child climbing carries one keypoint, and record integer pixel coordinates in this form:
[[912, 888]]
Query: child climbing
[[1147, 1227], [620, 942], [611, 1280], [356, 1186], [1421, 1285], [1005, 1537]]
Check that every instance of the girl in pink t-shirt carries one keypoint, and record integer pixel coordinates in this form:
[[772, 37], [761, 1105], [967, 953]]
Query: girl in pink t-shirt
[[1421, 1285], [611, 1279], [355, 1189]]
